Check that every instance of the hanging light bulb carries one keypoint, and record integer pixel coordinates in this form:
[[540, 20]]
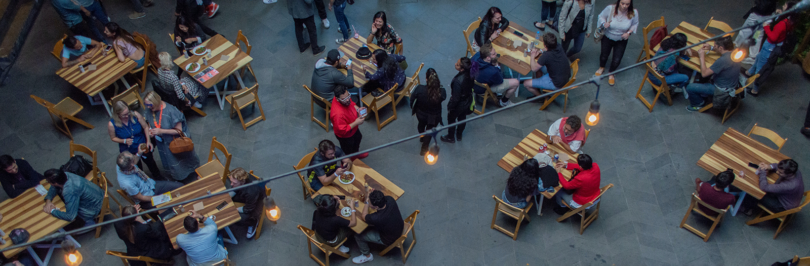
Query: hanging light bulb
[[737, 55], [72, 256], [432, 155], [593, 114], [272, 211]]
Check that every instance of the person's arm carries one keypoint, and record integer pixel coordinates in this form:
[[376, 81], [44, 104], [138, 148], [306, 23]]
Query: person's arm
[[566, 7], [119, 53], [589, 21], [11, 190], [145, 127], [535, 64], [68, 63], [634, 23], [394, 35], [51, 194], [574, 183], [481, 36], [704, 70], [252, 202], [178, 8], [172, 131], [697, 185], [773, 188], [397, 57], [455, 93], [504, 24], [113, 137], [353, 218], [345, 80], [603, 16], [347, 163], [778, 30], [377, 75], [574, 146], [71, 200], [554, 129], [141, 197]]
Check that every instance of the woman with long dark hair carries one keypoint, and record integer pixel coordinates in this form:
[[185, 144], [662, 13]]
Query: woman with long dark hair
[[619, 20], [144, 238], [460, 103], [667, 66], [330, 228], [576, 17], [426, 104], [522, 184], [187, 34], [755, 16], [491, 27], [775, 35], [124, 44], [384, 33], [388, 72]]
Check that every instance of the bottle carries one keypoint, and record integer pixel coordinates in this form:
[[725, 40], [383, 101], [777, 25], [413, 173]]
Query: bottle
[[537, 36], [185, 53], [205, 61]]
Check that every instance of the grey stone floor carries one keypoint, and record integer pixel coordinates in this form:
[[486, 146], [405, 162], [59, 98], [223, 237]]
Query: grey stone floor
[[650, 157]]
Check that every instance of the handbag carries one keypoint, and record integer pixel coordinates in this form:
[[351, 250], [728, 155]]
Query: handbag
[[600, 32], [181, 144]]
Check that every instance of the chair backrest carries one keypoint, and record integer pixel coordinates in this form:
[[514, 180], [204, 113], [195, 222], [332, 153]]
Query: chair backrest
[[216, 145], [409, 221], [697, 200], [124, 258], [125, 196], [311, 236], [574, 71], [145, 45], [769, 134], [43, 102], [603, 190], [717, 25], [587, 132], [246, 92], [469, 31], [130, 93], [57, 48], [398, 49], [645, 33], [316, 96], [388, 93], [240, 38], [483, 85], [507, 205], [748, 82], [801, 261], [92, 154], [304, 162], [413, 80]]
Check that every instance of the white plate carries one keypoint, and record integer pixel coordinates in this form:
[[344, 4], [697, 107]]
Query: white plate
[[346, 212], [194, 50], [346, 183], [193, 70]]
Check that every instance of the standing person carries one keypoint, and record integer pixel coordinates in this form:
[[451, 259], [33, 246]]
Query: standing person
[[460, 103], [330, 228], [340, 16], [547, 14], [93, 9], [193, 10], [124, 44], [667, 66], [576, 17], [619, 20], [573, 133], [384, 33], [387, 222], [427, 106], [71, 15], [324, 176], [582, 188], [166, 123], [776, 34], [136, 183], [82, 198], [188, 34], [724, 73], [17, 176], [188, 90], [345, 116], [327, 76], [301, 12], [492, 25], [75, 50], [251, 196], [203, 246], [489, 72], [129, 129], [553, 63], [322, 12], [143, 238], [752, 37]]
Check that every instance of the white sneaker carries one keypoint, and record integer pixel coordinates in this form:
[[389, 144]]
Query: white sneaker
[[251, 231], [362, 258], [344, 249], [198, 105], [325, 23], [270, 1], [340, 41], [505, 104]]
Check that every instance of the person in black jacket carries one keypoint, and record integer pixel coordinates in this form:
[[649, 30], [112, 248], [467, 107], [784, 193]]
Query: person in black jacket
[[144, 238], [427, 105], [251, 196], [17, 176], [192, 11], [491, 26], [460, 99]]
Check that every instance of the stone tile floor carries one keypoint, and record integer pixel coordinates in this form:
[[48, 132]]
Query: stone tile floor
[[650, 157]]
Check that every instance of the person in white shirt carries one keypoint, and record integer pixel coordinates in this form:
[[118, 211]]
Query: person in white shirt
[[573, 135]]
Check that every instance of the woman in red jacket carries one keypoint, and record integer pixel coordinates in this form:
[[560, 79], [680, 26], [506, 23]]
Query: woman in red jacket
[[583, 186], [775, 33]]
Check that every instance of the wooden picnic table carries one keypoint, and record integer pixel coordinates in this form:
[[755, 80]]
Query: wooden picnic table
[[511, 56], [349, 50], [225, 217], [92, 82], [362, 174], [694, 35], [529, 146], [219, 46]]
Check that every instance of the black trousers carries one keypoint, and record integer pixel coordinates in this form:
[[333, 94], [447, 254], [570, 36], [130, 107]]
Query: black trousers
[[807, 117], [321, 9], [351, 144], [299, 35], [452, 117], [767, 69], [149, 159], [618, 48], [423, 126]]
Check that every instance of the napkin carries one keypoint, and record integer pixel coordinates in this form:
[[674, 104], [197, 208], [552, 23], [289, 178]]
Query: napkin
[[224, 58], [517, 43], [41, 190], [198, 206], [91, 67]]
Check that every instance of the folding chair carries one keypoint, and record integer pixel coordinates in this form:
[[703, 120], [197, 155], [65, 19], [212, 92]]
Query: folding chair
[[583, 211], [722, 26], [488, 94], [769, 134], [105, 204], [326, 249], [470, 30], [126, 259], [659, 89], [241, 100], [736, 101], [240, 38], [144, 70], [57, 49], [549, 100], [304, 162], [63, 111], [398, 49], [129, 96], [400, 242], [215, 166], [511, 211], [646, 51], [131, 202], [375, 104], [693, 207], [320, 101], [94, 173], [179, 51], [410, 84], [783, 217]]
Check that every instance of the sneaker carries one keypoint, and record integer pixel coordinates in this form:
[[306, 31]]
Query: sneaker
[[344, 249], [676, 90], [270, 1], [320, 50], [340, 41], [448, 139], [251, 231], [198, 105], [212, 9], [506, 103], [806, 131], [137, 15], [325, 23], [363, 259], [148, 3], [692, 108]]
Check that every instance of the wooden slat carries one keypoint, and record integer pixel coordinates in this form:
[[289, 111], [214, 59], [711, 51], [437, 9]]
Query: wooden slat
[[529, 146], [513, 57], [108, 70], [694, 35], [25, 211], [362, 173], [219, 46], [349, 50], [735, 150], [199, 188]]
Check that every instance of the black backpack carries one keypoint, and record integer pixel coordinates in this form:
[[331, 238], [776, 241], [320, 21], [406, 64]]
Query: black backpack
[[78, 165], [789, 44]]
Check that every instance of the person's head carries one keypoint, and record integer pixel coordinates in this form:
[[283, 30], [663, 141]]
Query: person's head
[[326, 205], [239, 177], [126, 161], [152, 101], [390, 68], [327, 149], [190, 224], [676, 41], [792, 16], [115, 32], [723, 44], [184, 26], [433, 86], [56, 177], [520, 183], [130, 231], [379, 56], [463, 64], [165, 61], [333, 57], [550, 40], [493, 15], [488, 52], [8, 164], [724, 179], [377, 199], [72, 43], [787, 168], [380, 21], [122, 112], [764, 7], [343, 96], [572, 124], [531, 167], [585, 161], [624, 6]]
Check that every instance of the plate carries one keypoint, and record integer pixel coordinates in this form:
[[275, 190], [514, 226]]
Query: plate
[[191, 68], [194, 50], [350, 181], [346, 212]]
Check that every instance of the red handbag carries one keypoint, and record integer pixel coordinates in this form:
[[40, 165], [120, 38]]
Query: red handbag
[[658, 36]]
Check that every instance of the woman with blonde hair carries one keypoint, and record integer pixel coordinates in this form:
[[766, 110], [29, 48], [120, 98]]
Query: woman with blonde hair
[[426, 103], [166, 123], [187, 89], [129, 130]]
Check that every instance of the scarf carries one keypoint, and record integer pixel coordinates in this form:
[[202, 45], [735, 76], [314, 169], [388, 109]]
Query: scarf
[[579, 135], [136, 171]]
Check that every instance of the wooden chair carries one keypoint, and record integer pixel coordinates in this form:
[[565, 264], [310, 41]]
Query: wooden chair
[[647, 51], [326, 249], [327, 107], [304, 162], [129, 96], [722, 26], [57, 49], [410, 84], [215, 166], [94, 173], [659, 89], [720, 213], [549, 100], [800, 261], [783, 217], [63, 111], [488, 94], [105, 204], [179, 51], [398, 49], [143, 70], [511, 211], [770, 134], [470, 30], [241, 100], [131, 202], [240, 38], [583, 211], [126, 259], [375, 104], [735, 103], [400, 242]]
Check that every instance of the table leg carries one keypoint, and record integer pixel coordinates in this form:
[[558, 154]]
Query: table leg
[[220, 99], [93, 102], [539, 203], [739, 202], [232, 239], [35, 257], [106, 106], [50, 252]]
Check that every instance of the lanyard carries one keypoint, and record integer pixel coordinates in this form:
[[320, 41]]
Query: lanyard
[[157, 121]]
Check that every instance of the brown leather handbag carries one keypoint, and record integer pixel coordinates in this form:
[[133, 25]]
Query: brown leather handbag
[[181, 144]]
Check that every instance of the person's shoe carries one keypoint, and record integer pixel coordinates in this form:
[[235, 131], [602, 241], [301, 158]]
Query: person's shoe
[[251, 231], [448, 139], [611, 81], [506, 103], [751, 92], [344, 249], [320, 50], [198, 105], [458, 137], [363, 259], [362, 155], [306, 46], [212, 9], [270, 1], [806, 131], [137, 15], [692, 108], [340, 41], [325, 23], [539, 25], [560, 210], [147, 3]]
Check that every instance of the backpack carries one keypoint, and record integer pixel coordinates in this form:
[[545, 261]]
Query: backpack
[[77, 165], [789, 44], [658, 36]]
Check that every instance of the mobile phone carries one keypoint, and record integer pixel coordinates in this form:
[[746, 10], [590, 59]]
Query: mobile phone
[[222, 205], [518, 33], [499, 55], [753, 165], [86, 65], [363, 112], [342, 197]]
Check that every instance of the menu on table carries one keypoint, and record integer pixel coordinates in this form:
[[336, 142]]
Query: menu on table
[[206, 74]]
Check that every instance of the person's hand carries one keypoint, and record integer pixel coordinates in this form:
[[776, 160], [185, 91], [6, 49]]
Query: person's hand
[[764, 166], [47, 208], [535, 53], [178, 39], [586, 35], [154, 131], [137, 208], [494, 35], [559, 164], [626, 36], [339, 171], [195, 214], [185, 89], [330, 7], [191, 40], [373, 28], [689, 52], [128, 142], [149, 147], [556, 139], [360, 120], [562, 37], [741, 173], [607, 24], [87, 12], [17, 263], [176, 14]]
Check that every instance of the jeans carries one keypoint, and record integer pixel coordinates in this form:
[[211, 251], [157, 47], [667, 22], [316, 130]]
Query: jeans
[[351, 144], [98, 12], [549, 8], [520, 205], [697, 91], [456, 131], [762, 57], [618, 48], [807, 117], [767, 68], [160, 188], [343, 22], [578, 41], [369, 236], [299, 35], [88, 29], [676, 79], [544, 82]]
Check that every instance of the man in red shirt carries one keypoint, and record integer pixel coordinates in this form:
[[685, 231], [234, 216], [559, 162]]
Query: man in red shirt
[[714, 195], [582, 188], [345, 116]]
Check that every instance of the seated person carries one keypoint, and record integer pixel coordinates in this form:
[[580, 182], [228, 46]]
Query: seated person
[[74, 50], [324, 176], [725, 73], [554, 64], [384, 33], [388, 72], [784, 194], [573, 133], [124, 44], [667, 66], [548, 179], [202, 245], [82, 198], [490, 28], [522, 184], [715, 195], [251, 196], [326, 75], [136, 183], [489, 72], [187, 34], [583, 187], [143, 238], [329, 226], [187, 89], [17, 176], [387, 222]]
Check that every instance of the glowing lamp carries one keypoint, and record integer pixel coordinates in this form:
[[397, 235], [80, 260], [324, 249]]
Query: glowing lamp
[[738, 54], [72, 256], [432, 155], [592, 118], [272, 211]]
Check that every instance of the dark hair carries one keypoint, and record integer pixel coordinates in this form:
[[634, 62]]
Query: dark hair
[[630, 10], [6, 161], [792, 16], [129, 223], [190, 224], [764, 7], [724, 179], [390, 68], [119, 32], [326, 145], [70, 41], [491, 13], [725, 42], [381, 15], [485, 50], [789, 166], [574, 122], [192, 27], [377, 199], [433, 86], [339, 90], [550, 41], [677, 41], [56, 176], [585, 161], [520, 183], [531, 167], [379, 55], [327, 206]]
